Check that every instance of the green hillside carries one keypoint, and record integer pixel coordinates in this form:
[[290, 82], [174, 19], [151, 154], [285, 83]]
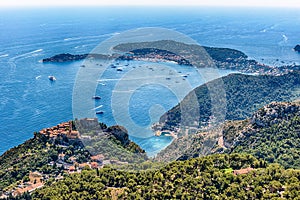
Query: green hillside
[[42, 154], [272, 134], [244, 95], [211, 177]]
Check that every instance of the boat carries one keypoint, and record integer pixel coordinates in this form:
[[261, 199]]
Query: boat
[[52, 78], [96, 97], [99, 112]]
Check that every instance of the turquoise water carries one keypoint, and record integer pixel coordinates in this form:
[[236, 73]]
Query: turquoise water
[[29, 102]]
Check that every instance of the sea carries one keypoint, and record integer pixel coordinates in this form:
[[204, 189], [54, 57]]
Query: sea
[[30, 102]]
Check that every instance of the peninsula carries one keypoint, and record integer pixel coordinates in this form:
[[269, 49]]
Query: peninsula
[[182, 54]]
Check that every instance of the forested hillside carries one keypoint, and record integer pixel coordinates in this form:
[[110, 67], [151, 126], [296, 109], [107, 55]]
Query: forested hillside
[[212, 177], [272, 133], [54, 157], [244, 95]]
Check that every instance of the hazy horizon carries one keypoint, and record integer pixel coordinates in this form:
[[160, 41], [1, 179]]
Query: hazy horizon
[[214, 3]]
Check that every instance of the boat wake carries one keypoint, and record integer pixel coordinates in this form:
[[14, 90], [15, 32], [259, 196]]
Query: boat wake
[[285, 38], [4, 55], [90, 37], [97, 107], [12, 61]]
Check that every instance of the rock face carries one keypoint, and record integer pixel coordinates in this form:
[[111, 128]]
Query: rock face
[[120, 133], [297, 48], [274, 113]]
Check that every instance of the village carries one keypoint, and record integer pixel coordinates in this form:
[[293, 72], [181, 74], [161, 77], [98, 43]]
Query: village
[[65, 163]]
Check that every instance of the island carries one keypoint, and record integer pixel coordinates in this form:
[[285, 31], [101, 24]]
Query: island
[[297, 48]]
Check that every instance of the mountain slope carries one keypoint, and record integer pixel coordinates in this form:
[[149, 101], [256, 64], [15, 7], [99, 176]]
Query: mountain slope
[[230, 175], [44, 153], [211, 177], [244, 95], [272, 134]]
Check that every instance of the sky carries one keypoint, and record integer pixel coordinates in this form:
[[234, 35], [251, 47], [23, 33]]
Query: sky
[[247, 3]]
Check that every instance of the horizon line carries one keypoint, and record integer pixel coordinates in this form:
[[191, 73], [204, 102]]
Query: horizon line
[[151, 5]]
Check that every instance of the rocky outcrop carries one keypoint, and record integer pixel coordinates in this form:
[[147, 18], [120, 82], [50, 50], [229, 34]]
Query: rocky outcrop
[[297, 48], [120, 133], [65, 57], [274, 113], [276, 122]]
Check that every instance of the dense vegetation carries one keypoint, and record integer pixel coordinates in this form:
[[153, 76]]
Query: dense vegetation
[[32, 155], [37, 153], [244, 95], [209, 177], [272, 134], [113, 142], [279, 143]]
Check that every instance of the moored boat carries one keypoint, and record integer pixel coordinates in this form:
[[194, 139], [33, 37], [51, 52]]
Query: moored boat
[[96, 97], [52, 78]]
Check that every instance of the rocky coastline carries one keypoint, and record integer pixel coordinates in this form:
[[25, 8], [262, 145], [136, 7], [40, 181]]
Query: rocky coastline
[[67, 57]]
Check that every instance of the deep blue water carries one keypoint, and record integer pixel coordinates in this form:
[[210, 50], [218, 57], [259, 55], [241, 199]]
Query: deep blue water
[[29, 102]]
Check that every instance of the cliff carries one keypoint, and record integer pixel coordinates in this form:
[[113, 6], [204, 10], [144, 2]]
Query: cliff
[[113, 142]]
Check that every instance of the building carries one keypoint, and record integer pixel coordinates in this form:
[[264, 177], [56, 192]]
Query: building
[[243, 171], [94, 165], [62, 129]]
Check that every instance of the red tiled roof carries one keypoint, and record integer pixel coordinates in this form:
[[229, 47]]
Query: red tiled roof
[[94, 165], [97, 157], [71, 168], [83, 165], [242, 171]]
